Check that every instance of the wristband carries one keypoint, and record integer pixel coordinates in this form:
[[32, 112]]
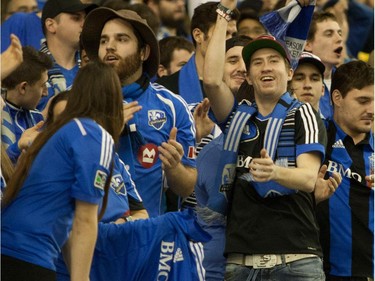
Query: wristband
[[127, 218], [224, 12]]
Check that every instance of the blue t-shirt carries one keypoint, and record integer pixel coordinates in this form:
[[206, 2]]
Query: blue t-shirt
[[72, 165], [27, 27]]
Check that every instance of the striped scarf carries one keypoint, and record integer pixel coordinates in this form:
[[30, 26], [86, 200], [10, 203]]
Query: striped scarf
[[278, 140], [56, 79]]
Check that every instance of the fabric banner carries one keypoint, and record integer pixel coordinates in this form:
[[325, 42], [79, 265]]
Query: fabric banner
[[290, 25]]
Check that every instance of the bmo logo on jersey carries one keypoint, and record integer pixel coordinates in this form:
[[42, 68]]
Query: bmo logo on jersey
[[165, 260], [156, 118], [337, 167], [147, 155]]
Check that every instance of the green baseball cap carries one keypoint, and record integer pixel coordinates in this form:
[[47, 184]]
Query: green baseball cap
[[261, 42]]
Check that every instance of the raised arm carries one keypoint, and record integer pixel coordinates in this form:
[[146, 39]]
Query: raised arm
[[219, 94]]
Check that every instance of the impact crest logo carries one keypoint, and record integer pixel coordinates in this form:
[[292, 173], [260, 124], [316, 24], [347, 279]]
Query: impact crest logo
[[156, 118]]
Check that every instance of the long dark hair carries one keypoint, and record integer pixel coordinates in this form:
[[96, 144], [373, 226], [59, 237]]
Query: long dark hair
[[96, 94]]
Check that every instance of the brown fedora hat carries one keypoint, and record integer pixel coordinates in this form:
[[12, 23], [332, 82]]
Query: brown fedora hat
[[93, 26]]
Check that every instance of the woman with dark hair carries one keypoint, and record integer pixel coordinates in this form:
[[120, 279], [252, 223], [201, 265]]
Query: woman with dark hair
[[56, 106], [51, 201]]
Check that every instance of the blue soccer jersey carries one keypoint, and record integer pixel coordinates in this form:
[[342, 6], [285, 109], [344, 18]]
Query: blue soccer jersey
[[161, 248], [161, 111], [72, 165], [122, 187], [346, 219], [211, 208]]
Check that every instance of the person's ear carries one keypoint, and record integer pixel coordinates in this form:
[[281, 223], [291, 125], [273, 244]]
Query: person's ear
[[50, 25], [145, 52], [290, 74], [198, 35], [308, 46], [162, 71], [21, 88], [336, 98], [248, 80]]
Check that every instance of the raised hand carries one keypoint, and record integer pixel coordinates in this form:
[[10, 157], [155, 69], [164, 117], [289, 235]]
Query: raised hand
[[203, 124], [325, 188], [370, 181], [11, 58], [129, 110], [263, 169], [171, 152], [29, 135]]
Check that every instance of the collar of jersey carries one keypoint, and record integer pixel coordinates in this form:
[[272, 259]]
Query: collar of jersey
[[135, 90]]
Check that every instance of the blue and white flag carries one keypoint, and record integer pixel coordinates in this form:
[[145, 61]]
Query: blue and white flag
[[290, 25]]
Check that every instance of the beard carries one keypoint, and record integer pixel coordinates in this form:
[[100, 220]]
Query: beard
[[128, 66], [170, 21]]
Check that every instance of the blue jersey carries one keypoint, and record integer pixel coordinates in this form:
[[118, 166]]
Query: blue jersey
[[161, 111], [161, 248], [59, 78], [211, 209], [15, 121], [122, 187], [72, 165], [346, 219], [27, 27]]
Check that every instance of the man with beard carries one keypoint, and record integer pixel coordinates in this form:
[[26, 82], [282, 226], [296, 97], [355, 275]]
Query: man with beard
[[172, 15], [346, 220], [156, 142]]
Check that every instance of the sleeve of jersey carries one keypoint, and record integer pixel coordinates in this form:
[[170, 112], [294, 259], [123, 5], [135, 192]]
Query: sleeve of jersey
[[92, 152], [131, 189], [310, 132], [186, 134]]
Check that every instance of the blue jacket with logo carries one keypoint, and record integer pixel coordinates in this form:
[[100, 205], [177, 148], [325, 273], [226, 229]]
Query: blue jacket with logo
[[161, 111]]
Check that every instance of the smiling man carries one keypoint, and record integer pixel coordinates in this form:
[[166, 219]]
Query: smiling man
[[234, 67], [269, 164]]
